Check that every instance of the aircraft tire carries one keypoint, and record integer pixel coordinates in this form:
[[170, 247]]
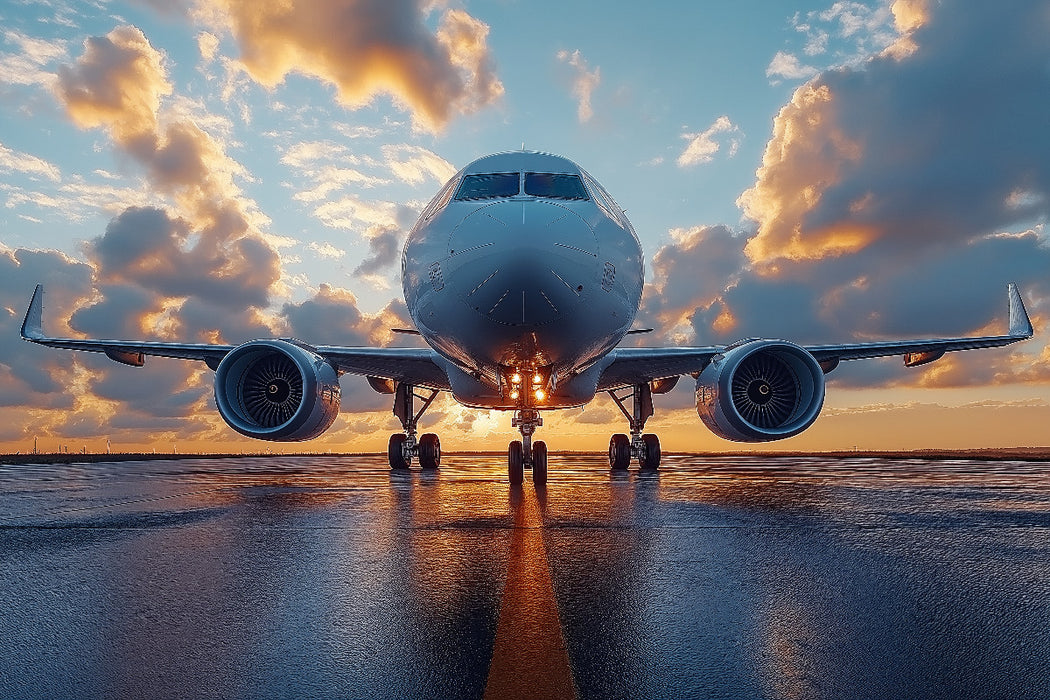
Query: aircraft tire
[[651, 460], [516, 463], [619, 452], [539, 463], [395, 452], [429, 451]]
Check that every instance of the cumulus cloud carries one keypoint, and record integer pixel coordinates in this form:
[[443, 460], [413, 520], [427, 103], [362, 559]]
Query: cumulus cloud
[[365, 49], [584, 82], [187, 260], [211, 248], [896, 198], [704, 145], [903, 152], [117, 83]]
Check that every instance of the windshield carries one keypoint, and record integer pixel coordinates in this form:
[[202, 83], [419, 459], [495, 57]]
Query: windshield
[[488, 186], [554, 186]]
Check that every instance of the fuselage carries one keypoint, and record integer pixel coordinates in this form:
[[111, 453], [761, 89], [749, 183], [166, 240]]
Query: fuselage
[[523, 273]]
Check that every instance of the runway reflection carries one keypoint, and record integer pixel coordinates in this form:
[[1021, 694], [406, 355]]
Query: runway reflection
[[333, 577]]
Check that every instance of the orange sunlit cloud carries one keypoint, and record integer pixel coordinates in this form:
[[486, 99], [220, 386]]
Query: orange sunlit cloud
[[375, 47]]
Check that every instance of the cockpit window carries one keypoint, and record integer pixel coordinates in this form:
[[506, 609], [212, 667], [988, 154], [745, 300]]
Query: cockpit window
[[554, 186], [488, 186]]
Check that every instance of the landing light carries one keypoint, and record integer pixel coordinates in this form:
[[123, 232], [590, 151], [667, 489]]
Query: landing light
[[514, 394], [515, 378], [537, 378], [540, 394]]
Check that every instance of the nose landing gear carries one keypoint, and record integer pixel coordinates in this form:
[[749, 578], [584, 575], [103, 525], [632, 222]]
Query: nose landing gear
[[643, 447], [403, 447], [523, 453]]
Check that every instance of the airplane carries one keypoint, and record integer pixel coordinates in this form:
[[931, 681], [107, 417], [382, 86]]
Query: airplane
[[523, 276]]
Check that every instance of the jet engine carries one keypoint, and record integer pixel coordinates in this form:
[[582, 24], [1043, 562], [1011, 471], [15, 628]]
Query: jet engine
[[277, 390], [760, 390]]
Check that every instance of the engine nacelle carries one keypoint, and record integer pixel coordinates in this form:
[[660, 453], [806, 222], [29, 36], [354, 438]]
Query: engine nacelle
[[277, 390], [760, 390]]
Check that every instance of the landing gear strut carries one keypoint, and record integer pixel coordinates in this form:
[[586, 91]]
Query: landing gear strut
[[404, 446], [523, 453], [643, 447]]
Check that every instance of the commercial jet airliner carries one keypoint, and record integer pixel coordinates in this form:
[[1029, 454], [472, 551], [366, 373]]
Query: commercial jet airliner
[[523, 276]]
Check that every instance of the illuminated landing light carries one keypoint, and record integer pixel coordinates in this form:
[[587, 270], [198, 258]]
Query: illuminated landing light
[[515, 378], [540, 394], [514, 395], [537, 378]]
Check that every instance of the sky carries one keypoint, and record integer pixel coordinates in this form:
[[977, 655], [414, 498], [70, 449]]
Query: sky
[[223, 170]]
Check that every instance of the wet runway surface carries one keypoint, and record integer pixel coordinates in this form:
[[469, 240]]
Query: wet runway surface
[[716, 578]]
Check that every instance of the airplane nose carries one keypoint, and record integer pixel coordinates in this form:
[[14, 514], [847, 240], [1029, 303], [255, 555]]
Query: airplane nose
[[531, 261]]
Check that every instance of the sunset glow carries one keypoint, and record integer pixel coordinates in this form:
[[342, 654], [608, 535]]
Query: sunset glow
[[223, 170]]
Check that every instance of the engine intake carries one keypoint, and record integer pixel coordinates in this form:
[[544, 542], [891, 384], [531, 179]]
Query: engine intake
[[277, 390], [760, 390]]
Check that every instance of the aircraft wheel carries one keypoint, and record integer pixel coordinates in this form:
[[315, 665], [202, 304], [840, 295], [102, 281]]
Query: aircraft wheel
[[395, 452], [651, 460], [539, 463], [516, 463], [429, 451], [619, 452]]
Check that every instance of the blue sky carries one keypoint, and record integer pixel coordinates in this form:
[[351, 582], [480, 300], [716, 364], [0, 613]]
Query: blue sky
[[820, 171], [658, 77]]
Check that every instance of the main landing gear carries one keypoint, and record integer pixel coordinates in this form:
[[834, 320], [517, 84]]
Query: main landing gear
[[523, 453], [645, 448], [404, 446]]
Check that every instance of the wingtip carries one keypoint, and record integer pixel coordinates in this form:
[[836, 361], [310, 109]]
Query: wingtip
[[32, 325], [1020, 324]]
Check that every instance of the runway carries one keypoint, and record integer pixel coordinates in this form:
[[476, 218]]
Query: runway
[[331, 577]]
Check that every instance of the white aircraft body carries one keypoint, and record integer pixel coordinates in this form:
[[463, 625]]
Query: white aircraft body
[[523, 276]]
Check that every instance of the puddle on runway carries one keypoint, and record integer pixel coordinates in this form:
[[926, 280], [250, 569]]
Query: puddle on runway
[[718, 576]]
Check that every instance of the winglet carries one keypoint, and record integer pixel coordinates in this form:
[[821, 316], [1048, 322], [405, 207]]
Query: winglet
[[32, 326], [1020, 324]]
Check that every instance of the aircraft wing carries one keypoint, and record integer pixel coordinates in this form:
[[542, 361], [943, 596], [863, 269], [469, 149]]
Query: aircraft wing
[[639, 365], [416, 366]]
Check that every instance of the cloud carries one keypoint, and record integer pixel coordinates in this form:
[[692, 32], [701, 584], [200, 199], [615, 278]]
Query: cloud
[[928, 149], [27, 65], [212, 247], [326, 250], [366, 49], [703, 146], [332, 316], [14, 161], [896, 198], [584, 82], [384, 247], [415, 164], [787, 66], [117, 83]]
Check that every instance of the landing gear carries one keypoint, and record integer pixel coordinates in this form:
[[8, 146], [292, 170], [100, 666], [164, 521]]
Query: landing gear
[[522, 453], [645, 448], [404, 446]]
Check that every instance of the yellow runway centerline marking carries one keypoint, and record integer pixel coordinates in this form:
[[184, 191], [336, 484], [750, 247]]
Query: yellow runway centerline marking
[[529, 657]]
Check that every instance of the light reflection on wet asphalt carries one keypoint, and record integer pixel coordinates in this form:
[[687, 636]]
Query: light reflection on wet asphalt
[[728, 577]]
